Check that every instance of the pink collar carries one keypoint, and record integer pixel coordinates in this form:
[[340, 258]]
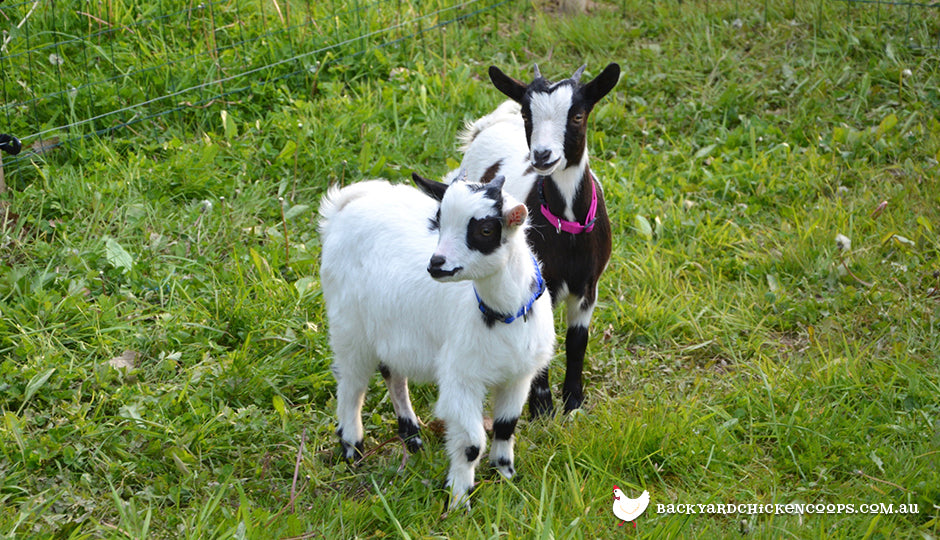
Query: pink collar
[[571, 227]]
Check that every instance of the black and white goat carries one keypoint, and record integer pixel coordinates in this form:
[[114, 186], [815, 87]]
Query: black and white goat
[[439, 289], [538, 142]]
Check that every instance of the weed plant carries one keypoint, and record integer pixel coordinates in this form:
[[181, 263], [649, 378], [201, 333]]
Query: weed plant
[[164, 361]]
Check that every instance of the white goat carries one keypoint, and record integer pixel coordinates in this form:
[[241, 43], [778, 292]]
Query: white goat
[[444, 292]]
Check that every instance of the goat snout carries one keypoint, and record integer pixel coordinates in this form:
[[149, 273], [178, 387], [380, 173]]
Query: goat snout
[[544, 161], [436, 267], [541, 157]]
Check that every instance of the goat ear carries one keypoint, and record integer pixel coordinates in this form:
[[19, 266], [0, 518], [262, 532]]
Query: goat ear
[[602, 84], [497, 183], [433, 189], [515, 216], [513, 89]]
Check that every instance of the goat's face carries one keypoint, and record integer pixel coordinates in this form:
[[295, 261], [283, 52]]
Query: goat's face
[[555, 114], [475, 222]]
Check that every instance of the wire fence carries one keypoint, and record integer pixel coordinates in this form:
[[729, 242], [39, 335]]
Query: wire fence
[[920, 18], [72, 69]]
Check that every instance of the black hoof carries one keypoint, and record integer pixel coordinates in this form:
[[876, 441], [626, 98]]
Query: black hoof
[[503, 463], [572, 403], [541, 408], [409, 433], [349, 453], [414, 444]]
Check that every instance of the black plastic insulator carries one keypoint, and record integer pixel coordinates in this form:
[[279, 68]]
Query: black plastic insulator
[[10, 144]]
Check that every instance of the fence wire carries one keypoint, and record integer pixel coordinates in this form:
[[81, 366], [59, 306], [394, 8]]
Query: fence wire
[[920, 18], [72, 69]]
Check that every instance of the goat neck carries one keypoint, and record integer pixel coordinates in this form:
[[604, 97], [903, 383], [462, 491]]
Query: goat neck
[[567, 188], [511, 288]]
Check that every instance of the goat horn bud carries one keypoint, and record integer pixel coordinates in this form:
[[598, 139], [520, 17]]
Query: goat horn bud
[[538, 74], [577, 74]]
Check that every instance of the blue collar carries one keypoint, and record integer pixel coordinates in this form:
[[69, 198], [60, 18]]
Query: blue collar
[[492, 315]]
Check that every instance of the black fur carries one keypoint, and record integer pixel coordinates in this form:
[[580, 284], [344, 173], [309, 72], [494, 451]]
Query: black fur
[[408, 431], [574, 261], [540, 396], [572, 393], [492, 190], [431, 188], [357, 449], [503, 429], [490, 173], [584, 97], [503, 462], [472, 452], [485, 235]]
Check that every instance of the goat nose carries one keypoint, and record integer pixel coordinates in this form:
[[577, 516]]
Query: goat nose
[[541, 157], [436, 262]]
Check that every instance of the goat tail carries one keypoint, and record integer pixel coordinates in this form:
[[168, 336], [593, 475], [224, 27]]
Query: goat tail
[[468, 133], [508, 111], [337, 198]]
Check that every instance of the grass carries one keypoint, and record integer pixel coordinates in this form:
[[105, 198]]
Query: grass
[[737, 355]]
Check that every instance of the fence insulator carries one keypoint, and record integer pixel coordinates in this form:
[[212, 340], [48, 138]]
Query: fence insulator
[[10, 144]]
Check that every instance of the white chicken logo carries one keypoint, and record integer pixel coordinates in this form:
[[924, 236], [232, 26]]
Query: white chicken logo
[[629, 509]]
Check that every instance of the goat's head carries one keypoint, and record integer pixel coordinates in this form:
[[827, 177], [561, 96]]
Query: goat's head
[[555, 114], [475, 222]]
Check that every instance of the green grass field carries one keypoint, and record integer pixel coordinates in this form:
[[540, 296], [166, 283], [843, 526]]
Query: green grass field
[[737, 356]]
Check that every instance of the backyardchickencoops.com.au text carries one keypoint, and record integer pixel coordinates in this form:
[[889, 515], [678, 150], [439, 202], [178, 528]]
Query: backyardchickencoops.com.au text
[[791, 508]]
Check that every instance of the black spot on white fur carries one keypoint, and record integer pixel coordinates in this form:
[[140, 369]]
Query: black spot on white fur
[[490, 173], [485, 235], [472, 453], [503, 429]]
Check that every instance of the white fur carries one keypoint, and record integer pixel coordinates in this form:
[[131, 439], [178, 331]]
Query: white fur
[[549, 121], [498, 142], [500, 136], [383, 307]]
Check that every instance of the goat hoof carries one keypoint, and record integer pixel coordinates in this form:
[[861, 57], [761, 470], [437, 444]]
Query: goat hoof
[[541, 409], [572, 404], [351, 453], [504, 467], [456, 503], [414, 444]]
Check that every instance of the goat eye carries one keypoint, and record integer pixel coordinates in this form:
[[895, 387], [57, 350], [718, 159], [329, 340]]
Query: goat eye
[[483, 235], [578, 118]]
